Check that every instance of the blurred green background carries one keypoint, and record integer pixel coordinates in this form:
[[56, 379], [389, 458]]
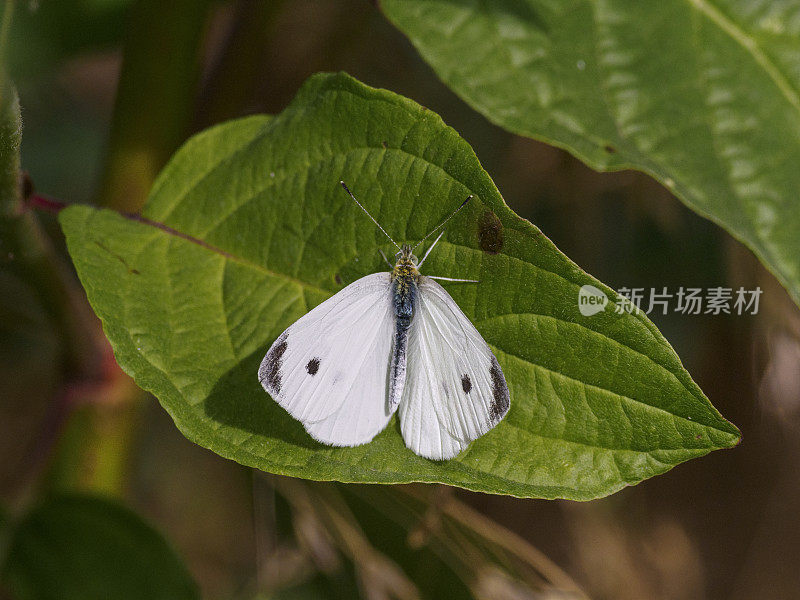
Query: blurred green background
[[110, 88]]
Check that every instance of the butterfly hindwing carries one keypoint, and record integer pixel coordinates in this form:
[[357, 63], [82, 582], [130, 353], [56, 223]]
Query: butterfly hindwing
[[455, 390], [329, 369]]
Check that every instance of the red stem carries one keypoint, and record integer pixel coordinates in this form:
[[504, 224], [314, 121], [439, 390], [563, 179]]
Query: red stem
[[45, 203]]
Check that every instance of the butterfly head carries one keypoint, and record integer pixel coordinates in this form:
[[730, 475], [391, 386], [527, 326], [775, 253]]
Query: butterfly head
[[406, 255], [406, 265]]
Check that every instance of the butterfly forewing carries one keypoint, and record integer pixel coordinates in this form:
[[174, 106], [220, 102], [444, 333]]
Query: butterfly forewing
[[455, 390], [329, 369]]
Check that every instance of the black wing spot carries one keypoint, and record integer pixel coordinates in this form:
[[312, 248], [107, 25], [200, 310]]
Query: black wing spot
[[270, 371], [466, 384], [501, 399], [313, 366]]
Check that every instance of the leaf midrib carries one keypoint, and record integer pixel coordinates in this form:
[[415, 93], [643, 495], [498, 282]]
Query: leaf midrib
[[158, 226], [306, 286], [303, 285], [618, 394]]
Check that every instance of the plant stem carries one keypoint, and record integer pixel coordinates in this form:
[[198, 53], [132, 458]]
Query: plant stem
[[5, 26], [154, 106], [155, 96], [27, 255]]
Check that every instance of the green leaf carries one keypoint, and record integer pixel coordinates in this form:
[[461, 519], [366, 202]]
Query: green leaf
[[704, 96], [84, 547], [247, 229]]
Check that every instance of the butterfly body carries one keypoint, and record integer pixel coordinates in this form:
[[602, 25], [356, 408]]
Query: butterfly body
[[388, 342], [405, 276]]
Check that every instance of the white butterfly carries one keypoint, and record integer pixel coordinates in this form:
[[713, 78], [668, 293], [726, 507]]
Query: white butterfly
[[385, 341]]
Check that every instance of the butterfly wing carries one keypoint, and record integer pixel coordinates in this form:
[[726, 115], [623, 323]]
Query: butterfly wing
[[329, 369], [455, 390]]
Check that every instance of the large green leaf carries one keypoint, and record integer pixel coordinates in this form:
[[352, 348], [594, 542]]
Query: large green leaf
[[84, 548], [704, 95], [247, 228]]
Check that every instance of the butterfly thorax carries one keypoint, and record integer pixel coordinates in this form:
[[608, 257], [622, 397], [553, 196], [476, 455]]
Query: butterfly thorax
[[404, 281]]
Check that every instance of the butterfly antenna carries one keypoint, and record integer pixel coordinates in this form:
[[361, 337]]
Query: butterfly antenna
[[431, 247], [442, 224], [346, 189]]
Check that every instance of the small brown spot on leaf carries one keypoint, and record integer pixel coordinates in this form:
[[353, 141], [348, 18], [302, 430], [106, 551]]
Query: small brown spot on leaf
[[385, 145], [338, 279], [490, 233], [610, 149]]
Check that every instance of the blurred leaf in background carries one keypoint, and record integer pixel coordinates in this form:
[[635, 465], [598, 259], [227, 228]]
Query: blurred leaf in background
[[45, 343], [46, 34], [408, 542], [61, 55], [703, 96], [85, 547]]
